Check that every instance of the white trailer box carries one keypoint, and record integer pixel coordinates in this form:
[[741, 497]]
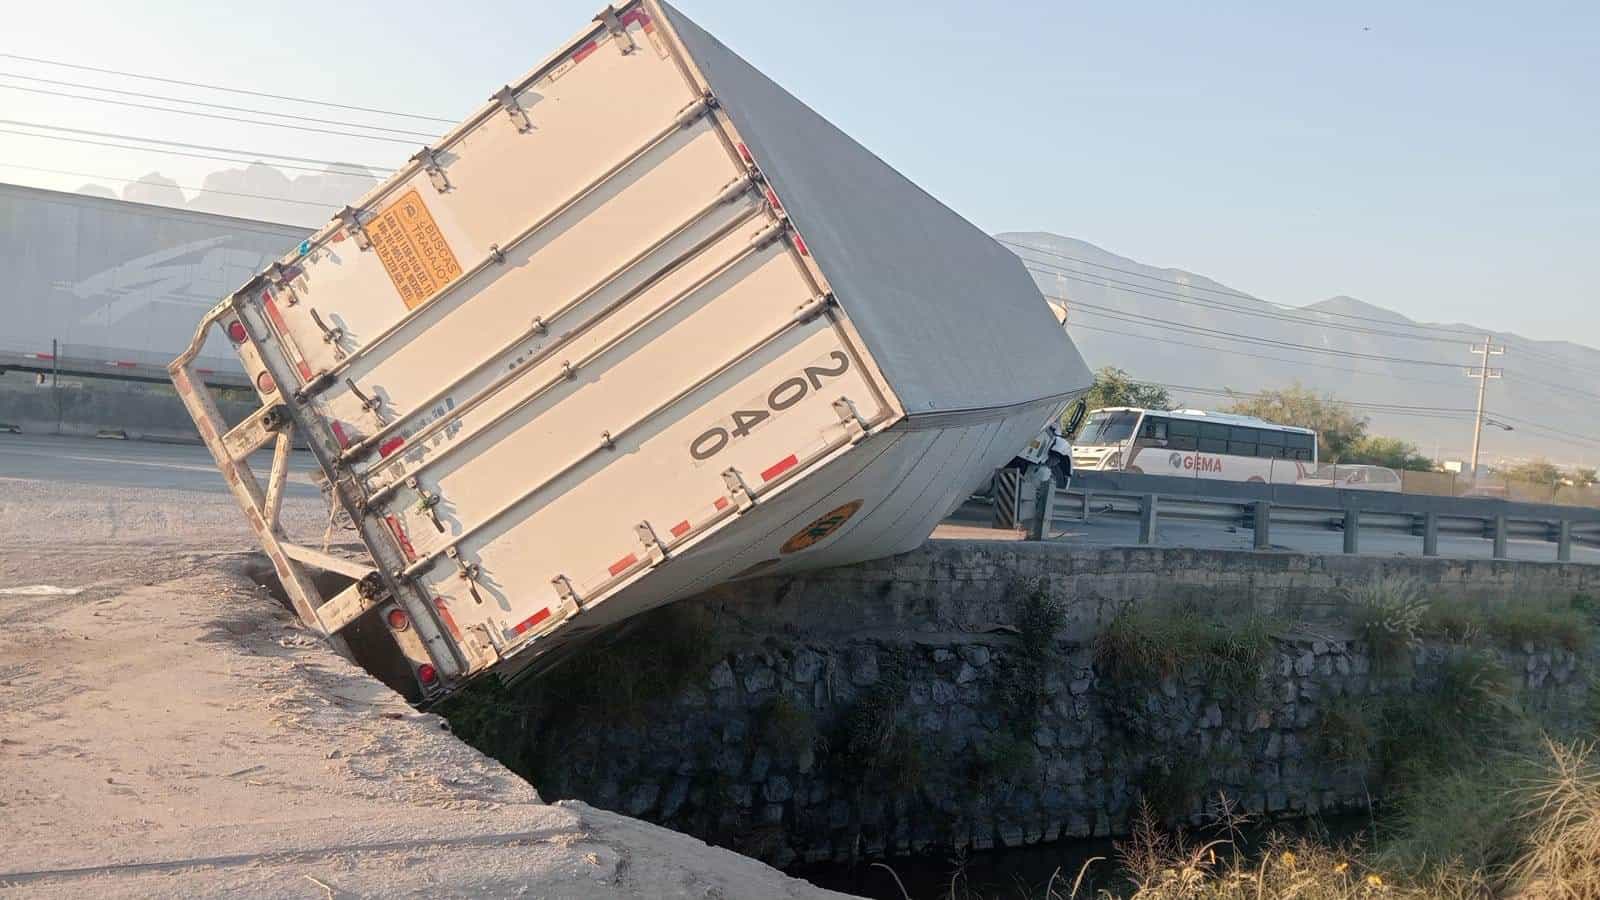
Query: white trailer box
[[642, 324]]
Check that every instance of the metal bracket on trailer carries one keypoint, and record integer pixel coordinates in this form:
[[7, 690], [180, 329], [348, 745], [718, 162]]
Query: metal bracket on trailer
[[613, 24], [230, 450], [507, 98]]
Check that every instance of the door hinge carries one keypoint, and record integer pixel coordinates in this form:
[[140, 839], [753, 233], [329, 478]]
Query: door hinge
[[351, 219], [617, 29], [653, 547], [855, 427], [738, 491], [430, 164], [514, 111]]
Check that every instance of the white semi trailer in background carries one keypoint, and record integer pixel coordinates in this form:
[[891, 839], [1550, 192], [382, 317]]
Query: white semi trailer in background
[[102, 287], [642, 324]]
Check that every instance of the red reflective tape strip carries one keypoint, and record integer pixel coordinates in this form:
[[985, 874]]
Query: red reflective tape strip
[[780, 467], [391, 445], [621, 565], [337, 236], [722, 503], [584, 51], [745, 152], [400, 535], [532, 620], [43, 356], [449, 620], [680, 529], [772, 198], [283, 331], [635, 15], [800, 244], [339, 435]]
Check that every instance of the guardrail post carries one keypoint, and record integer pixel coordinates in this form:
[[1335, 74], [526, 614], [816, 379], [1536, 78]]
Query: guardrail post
[[1430, 534], [1500, 536], [1564, 540], [1043, 511], [1147, 519], [1352, 530], [1262, 522]]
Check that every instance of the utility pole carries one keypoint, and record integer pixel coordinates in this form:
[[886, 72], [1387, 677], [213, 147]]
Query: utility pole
[[1483, 373]]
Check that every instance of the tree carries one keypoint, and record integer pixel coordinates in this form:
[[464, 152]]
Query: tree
[[1538, 471], [1585, 477], [1386, 451], [1114, 387], [1338, 429]]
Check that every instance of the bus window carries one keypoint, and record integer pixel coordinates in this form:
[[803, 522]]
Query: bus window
[[1271, 443], [1213, 438], [1242, 441], [1153, 433], [1182, 435], [1300, 446], [1108, 428]]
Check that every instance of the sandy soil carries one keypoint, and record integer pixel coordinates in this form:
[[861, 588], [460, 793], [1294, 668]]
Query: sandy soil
[[166, 729]]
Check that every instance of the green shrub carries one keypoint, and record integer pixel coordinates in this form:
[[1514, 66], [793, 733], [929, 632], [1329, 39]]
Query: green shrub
[[1144, 646], [1541, 624], [1022, 691], [1387, 613], [1345, 732]]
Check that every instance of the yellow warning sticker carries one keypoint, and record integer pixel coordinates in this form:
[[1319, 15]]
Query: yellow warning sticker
[[412, 249]]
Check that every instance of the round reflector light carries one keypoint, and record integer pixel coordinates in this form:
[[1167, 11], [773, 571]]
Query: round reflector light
[[427, 674], [398, 620], [236, 332], [265, 384]]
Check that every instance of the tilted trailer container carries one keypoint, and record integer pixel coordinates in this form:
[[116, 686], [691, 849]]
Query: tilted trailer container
[[642, 324]]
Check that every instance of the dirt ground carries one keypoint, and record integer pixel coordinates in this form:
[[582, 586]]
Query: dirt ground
[[166, 729]]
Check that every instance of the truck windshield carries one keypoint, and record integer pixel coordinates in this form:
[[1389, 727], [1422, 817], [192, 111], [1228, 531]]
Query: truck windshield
[[1108, 428]]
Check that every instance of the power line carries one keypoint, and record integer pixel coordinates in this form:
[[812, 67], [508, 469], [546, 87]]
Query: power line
[[227, 159], [1232, 352], [178, 186], [1521, 344], [206, 115], [230, 90], [1106, 282], [1240, 295], [165, 143], [243, 109], [1154, 322]]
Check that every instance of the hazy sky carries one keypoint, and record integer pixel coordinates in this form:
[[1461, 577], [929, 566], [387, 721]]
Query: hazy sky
[[1441, 159]]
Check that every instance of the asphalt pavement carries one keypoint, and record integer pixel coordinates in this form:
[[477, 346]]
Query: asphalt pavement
[[113, 463], [141, 464]]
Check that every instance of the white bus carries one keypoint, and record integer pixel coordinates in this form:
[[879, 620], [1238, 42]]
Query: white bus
[[1193, 443]]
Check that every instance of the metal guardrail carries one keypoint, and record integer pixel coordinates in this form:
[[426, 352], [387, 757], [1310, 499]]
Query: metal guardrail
[[1257, 507]]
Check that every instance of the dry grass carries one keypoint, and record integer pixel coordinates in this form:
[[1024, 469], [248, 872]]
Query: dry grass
[[1562, 861]]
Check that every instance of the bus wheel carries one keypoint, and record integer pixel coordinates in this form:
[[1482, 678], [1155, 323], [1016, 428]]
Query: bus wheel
[[1134, 469], [1256, 479]]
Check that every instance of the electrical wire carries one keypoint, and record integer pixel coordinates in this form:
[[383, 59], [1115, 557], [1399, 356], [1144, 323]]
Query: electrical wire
[[243, 109], [217, 87], [1240, 295], [1107, 282], [276, 165], [166, 143], [206, 115], [1521, 344], [183, 187], [1153, 322]]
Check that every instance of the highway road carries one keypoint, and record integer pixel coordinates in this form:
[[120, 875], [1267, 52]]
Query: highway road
[[1102, 529], [136, 464]]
